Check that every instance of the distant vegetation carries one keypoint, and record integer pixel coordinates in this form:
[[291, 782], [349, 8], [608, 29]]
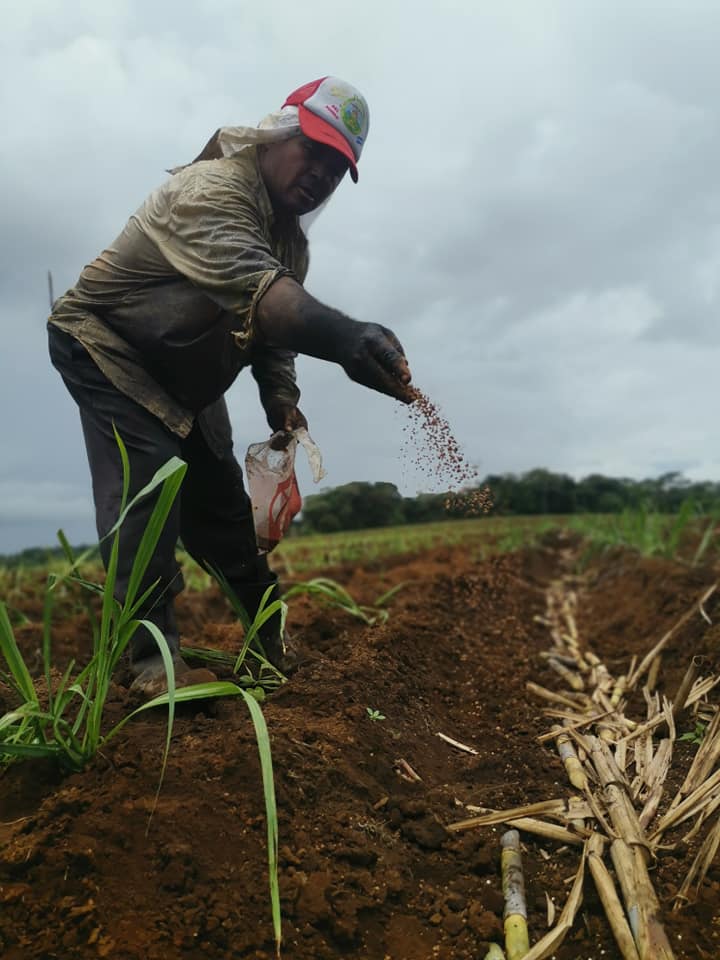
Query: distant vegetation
[[40, 556], [365, 506], [361, 506]]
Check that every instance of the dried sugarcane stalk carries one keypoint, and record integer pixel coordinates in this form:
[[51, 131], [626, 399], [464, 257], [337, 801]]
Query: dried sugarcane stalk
[[517, 943], [689, 806], [705, 711], [556, 807], [569, 604], [548, 944], [633, 664], [630, 854], [404, 770], [643, 759], [573, 767], [562, 810], [550, 831], [581, 742], [641, 903], [624, 864], [701, 689], [619, 744], [609, 899], [622, 813], [495, 952], [700, 865], [619, 718], [564, 699], [618, 691], [457, 744], [644, 747], [663, 642], [686, 685], [550, 909], [656, 775], [572, 834], [707, 811], [578, 809], [705, 759], [649, 725], [598, 813], [573, 679], [571, 722], [621, 754], [654, 672], [557, 654], [605, 730]]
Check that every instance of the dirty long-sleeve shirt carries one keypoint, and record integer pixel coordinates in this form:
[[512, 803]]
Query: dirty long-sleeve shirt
[[168, 310]]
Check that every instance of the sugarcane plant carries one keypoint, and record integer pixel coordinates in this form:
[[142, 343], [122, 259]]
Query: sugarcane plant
[[61, 719], [331, 593], [64, 720], [252, 642]]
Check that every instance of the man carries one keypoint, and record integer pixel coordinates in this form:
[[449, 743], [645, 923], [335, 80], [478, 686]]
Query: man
[[204, 280]]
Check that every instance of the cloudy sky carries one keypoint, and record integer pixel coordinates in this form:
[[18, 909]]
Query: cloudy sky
[[538, 219]]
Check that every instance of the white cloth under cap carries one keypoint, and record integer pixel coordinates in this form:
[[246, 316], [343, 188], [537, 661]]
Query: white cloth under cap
[[279, 125]]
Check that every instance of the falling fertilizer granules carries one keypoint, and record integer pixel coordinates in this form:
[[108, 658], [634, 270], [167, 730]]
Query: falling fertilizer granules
[[431, 449]]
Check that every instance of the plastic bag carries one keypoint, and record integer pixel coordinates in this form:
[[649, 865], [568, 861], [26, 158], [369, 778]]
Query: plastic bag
[[273, 487]]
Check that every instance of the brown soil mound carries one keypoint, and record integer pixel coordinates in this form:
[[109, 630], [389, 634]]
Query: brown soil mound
[[367, 867]]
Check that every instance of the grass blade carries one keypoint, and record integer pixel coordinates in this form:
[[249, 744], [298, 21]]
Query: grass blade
[[263, 743], [220, 688], [14, 659]]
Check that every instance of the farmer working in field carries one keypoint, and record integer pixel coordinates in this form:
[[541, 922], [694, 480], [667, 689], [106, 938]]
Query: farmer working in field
[[205, 279]]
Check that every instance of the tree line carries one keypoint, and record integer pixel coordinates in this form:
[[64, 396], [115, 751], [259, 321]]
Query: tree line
[[359, 505]]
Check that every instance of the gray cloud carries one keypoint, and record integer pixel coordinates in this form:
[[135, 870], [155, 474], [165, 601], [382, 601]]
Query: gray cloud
[[538, 218]]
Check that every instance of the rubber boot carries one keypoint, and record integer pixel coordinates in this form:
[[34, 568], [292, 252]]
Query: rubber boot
[[142, 643], [146, 662]]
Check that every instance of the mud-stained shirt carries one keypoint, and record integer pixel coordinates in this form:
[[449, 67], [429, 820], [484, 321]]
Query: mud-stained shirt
[[167, 312]]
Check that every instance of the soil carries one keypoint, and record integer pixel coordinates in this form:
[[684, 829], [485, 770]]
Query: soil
[[367, 868]]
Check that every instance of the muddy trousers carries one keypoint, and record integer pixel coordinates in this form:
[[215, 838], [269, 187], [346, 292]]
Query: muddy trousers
[[211, 515]]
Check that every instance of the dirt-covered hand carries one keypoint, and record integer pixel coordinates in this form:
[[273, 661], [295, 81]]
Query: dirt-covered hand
[[285, 416], [372, 355]]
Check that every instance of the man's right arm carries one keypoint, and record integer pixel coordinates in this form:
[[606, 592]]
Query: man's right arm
[[289, 318]]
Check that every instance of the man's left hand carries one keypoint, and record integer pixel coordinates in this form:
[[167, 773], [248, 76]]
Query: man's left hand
[[281, 416]]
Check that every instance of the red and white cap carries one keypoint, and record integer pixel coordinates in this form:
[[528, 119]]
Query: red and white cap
[[335, 113]]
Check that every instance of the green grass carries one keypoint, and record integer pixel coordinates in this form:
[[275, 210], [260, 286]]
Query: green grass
[[687, 536], [301, 554], [487, 535], [696, 735]]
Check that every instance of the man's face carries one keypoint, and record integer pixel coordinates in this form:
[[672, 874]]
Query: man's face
[[300, 174]]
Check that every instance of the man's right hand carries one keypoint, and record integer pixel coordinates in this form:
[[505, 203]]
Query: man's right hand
[[290, 319], [372, 355]]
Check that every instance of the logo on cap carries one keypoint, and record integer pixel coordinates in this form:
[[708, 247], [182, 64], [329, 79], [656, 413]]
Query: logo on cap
[[352, 114]]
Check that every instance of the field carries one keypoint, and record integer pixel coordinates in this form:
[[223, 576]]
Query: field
[[372, 864]]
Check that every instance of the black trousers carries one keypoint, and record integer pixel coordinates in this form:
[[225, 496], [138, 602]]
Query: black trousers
[[212, 514]]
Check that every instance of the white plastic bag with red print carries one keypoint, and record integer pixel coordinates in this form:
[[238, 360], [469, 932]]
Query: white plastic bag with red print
[[272, 484]]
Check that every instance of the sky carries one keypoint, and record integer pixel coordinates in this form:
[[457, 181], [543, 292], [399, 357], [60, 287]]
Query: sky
[[537, 218]]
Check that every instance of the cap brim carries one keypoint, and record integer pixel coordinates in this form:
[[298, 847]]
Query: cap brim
[[318, 129]]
